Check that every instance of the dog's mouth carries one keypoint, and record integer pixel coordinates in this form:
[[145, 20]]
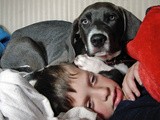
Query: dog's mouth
[[106, 56]]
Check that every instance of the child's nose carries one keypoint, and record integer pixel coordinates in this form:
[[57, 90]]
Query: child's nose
[[101, 93]]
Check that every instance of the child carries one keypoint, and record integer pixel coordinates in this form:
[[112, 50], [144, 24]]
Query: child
[[67, 86]]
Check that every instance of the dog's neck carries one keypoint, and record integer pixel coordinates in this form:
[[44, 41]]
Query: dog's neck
[[121, 59]]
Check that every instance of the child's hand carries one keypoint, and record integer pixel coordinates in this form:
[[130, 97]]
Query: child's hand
[[129, 86]]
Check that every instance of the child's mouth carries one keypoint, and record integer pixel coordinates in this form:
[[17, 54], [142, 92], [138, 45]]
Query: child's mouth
[[117, 97]]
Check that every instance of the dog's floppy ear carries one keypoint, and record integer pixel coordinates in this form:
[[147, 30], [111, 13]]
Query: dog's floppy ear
[[131, 24], [76, 40], [74, 31]]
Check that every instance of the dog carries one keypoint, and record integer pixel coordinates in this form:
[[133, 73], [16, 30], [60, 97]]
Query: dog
[[102, 30], [105, 29]]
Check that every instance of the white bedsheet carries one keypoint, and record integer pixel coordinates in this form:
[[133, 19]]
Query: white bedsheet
[[20, 101]]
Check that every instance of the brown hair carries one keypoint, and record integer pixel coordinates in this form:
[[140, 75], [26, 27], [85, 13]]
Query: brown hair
[[53, 82]]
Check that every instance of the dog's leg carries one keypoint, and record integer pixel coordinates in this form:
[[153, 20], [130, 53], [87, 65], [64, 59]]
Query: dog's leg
[[91, 64]]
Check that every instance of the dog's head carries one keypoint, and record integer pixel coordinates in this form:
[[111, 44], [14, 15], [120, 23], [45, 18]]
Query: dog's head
[[104, 29]]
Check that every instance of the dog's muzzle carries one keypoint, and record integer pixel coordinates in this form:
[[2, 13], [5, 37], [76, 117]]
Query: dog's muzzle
[[98, 40]]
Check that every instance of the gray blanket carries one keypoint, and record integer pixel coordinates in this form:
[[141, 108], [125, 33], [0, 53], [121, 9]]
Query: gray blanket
[[50, 38]]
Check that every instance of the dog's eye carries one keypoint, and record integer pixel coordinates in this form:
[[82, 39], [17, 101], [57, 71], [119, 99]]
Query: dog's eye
[[111, 17], [85, 21]]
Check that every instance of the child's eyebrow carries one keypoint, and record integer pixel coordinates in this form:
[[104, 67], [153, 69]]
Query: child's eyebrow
[[71, 99], [85, 100], [82, 103]]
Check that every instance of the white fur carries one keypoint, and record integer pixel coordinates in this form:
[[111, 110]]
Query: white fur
[[121, 67], [95, 65], [92, 64]]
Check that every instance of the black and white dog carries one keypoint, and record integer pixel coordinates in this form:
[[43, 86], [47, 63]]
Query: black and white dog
[[102, 30], [105, 29]]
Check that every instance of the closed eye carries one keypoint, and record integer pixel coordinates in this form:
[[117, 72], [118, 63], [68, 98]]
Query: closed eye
[[90, 104], [93, 79]]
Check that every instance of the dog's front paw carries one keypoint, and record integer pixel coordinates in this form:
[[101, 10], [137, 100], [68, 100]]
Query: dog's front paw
[[91, 64]]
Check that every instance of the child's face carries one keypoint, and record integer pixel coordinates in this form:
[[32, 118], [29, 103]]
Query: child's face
[[96, 92]]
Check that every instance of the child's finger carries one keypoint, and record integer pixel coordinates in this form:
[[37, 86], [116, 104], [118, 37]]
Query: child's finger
[[126, 88], [136, 74], [132, 84], [128, 93], [133, 87]]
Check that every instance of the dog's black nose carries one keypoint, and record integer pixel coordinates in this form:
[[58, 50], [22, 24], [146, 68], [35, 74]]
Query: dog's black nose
[[98, 40]]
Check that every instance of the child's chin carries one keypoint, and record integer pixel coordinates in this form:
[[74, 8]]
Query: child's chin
[[101, 117]]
